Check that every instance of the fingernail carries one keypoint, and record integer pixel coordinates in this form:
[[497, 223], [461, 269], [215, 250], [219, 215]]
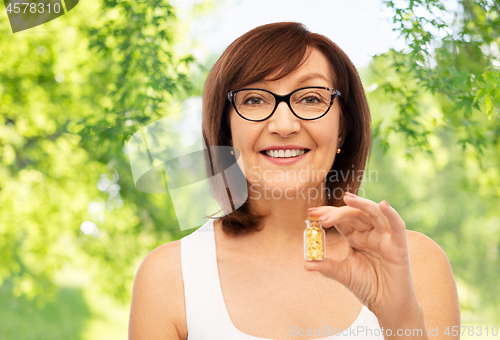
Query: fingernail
[[387, 203], [312, 209], [323, 218], [347, 193]]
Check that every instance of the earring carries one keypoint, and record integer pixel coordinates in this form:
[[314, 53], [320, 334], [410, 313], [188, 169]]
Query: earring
[[328, 193], [232, 153], [338, 150]]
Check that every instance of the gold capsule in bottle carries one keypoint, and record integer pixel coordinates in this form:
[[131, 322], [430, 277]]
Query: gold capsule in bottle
[[314, 240]]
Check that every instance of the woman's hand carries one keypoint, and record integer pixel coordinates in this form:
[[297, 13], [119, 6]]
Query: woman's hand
[[377, 267]]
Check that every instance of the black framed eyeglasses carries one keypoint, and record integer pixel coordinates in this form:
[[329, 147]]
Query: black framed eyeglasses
[[308, 103]]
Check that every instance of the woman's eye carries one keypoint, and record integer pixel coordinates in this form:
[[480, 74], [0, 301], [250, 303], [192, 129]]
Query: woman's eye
[[311, 100], [254, 101]]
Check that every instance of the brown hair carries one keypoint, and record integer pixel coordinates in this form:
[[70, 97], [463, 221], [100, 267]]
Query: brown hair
[[280, 47]]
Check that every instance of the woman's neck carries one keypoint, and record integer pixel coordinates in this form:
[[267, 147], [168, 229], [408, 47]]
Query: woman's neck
[[282, 233]]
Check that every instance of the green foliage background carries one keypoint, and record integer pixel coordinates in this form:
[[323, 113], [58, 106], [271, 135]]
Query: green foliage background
[[436, 153]]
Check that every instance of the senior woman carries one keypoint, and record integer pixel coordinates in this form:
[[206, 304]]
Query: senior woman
[[291, 102]]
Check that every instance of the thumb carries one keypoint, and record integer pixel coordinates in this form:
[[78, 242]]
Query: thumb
[[337, 270]]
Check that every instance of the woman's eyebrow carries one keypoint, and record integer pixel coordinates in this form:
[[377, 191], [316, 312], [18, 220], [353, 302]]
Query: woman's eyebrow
[[302, 79], [310, 76]]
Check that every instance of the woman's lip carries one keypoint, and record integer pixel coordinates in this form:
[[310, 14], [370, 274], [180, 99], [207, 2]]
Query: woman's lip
[[284, 161], [285, 147]]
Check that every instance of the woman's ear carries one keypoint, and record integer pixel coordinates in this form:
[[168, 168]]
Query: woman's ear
[[342, 133], [340, 138], [340, 141]]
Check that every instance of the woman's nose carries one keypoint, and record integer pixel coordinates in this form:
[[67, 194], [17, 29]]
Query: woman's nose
[[283, 121]]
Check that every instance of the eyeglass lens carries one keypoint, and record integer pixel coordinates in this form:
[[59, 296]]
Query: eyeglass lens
[[307, 103]]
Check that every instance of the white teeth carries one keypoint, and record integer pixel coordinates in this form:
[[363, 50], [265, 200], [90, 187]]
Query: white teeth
[[285, 153]]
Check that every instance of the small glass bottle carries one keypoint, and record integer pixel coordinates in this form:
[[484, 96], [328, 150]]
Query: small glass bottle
[[314, 240]]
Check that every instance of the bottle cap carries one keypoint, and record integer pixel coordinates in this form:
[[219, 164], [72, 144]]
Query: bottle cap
[[312, 218]]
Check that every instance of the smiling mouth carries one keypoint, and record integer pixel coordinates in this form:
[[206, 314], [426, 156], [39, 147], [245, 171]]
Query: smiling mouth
[[289, 153]]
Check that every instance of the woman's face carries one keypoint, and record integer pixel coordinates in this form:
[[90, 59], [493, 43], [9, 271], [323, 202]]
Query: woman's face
[[289, 178]]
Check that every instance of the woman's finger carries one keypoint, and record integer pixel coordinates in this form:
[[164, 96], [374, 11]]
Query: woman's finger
[[343, 214], [372, 209], [354, 218], [398, 227], [345, 229]]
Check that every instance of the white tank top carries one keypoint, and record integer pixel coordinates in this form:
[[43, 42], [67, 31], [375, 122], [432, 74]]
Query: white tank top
[[206, 314]]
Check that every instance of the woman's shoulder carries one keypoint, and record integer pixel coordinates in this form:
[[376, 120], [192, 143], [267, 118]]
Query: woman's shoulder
[[162, 263], [158, 308], [425, 253], [432, 275], [422, 247]]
